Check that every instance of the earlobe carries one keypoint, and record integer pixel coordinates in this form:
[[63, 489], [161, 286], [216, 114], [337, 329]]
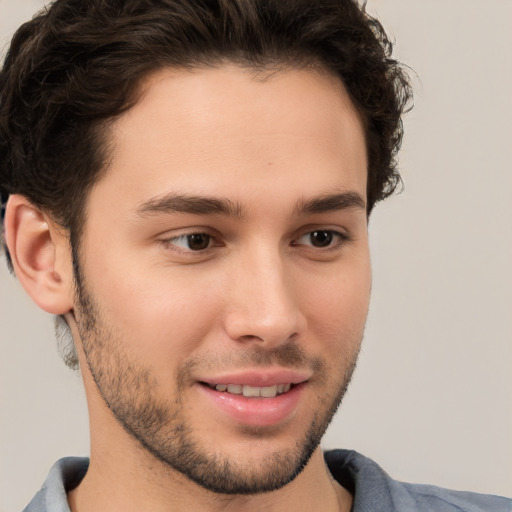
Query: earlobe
[[40, 255]]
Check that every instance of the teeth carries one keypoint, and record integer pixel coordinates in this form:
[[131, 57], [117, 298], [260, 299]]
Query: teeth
[[254, 391], [251, 391], [269, 392], [235, 389]]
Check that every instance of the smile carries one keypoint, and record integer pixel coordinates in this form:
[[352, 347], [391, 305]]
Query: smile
[[252, 391]]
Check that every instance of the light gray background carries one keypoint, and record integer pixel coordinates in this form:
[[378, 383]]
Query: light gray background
[[431, 400]]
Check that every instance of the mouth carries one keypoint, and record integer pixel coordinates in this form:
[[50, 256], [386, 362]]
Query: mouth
[[255, 397], [250, 405], [249, 391]]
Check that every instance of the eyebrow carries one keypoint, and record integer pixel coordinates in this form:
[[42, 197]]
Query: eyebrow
[[195, 205], [205, 205], [329, 203]]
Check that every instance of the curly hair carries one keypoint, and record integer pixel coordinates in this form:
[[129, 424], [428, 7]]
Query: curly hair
[[78, 65]]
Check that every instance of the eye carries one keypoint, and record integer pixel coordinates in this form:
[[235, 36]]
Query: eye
[[192, 242], [321, 239]]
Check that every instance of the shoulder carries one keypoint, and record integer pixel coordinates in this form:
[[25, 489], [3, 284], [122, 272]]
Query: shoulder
[[431, 497], [65, 475], [374, 489]]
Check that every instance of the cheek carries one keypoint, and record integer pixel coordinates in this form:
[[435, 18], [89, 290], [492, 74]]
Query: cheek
[[338, 309], [161, 316]]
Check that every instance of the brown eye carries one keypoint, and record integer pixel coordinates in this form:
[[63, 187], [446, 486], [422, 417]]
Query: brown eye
[[198, 241], [193, 242], [321, 238]]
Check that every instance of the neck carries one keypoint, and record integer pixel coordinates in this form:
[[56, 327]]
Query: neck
[[116, 484]]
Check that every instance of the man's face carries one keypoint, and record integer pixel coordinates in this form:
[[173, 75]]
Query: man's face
[[225, 252]]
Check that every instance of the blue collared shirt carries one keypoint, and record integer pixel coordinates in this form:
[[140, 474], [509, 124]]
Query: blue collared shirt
[[373, 489]]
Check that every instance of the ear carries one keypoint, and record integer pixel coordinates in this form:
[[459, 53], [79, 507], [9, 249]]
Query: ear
[[40, 255]]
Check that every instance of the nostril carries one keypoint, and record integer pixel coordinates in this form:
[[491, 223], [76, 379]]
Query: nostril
[[250, 337]]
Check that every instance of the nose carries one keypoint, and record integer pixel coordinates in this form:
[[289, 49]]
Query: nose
[[263, 306]]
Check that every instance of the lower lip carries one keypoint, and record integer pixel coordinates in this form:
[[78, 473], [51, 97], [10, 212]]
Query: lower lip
[[259, 412]]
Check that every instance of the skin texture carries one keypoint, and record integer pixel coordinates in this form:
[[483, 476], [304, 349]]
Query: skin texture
[[281, 282]]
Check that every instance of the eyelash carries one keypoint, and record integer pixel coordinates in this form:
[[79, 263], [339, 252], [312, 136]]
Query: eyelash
[[187, 238], [335, 239]]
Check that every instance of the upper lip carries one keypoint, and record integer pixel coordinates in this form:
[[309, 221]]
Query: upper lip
[[259, 377]]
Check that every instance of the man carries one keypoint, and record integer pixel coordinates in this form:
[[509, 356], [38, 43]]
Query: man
[[188, 189]]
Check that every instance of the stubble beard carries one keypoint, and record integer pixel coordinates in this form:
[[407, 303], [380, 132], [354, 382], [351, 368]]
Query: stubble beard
[[129, 391]]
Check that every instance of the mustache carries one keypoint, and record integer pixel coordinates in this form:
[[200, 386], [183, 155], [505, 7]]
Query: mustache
[[288, 355]]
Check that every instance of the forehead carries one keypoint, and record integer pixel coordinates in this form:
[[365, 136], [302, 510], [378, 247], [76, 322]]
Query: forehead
[[232, 129]]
